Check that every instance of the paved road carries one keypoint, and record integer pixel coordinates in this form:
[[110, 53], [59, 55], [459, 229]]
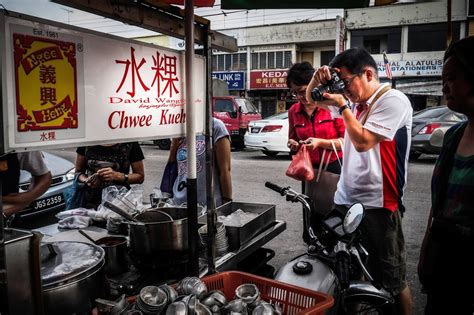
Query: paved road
[[250, 170]]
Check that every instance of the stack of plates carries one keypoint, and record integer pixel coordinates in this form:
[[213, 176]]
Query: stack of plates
[[221, 244]]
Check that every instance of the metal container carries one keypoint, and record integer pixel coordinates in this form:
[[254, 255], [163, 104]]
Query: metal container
[[239, 235], [115, 248], [159, 230], [72, 276], [23, 272]]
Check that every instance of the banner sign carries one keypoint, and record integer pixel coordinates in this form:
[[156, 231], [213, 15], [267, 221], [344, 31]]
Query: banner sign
[[235, 80], [68, 87], [412, 68], [268, 80]]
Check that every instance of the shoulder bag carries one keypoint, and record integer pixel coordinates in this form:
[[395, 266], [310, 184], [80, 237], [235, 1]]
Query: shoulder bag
[[323, 187]]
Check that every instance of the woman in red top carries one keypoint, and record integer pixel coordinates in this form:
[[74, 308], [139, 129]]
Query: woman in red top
[[314, 127], [311, 125]]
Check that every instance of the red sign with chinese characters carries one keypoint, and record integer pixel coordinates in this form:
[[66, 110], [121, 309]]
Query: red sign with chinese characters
[[268, 80], [45, 77]]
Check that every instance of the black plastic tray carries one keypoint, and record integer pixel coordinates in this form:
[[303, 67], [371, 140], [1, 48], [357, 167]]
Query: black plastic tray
[[238, 236]]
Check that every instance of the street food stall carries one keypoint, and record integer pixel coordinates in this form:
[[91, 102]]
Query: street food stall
[[64, 86]]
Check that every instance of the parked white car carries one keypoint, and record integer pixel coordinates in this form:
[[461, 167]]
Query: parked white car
[[269, 135]]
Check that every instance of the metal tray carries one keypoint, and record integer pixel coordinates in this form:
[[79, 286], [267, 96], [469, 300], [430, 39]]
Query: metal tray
[[238, 236]]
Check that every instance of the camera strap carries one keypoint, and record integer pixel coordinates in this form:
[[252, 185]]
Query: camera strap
[[379, 94]]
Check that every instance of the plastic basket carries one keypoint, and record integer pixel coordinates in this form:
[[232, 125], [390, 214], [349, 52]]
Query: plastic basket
[[293, 299]]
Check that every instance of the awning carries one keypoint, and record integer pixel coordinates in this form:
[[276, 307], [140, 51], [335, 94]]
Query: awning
[[299, 4], [433, 88]]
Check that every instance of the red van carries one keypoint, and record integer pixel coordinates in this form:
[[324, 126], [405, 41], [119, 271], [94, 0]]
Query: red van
[[235, 112]]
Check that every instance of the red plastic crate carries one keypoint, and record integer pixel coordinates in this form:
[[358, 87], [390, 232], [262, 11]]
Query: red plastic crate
[[293, 299]]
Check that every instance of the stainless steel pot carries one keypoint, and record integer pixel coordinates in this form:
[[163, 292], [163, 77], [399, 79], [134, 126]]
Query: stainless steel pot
[[115, 248], [159, 230], [72, 276], [23, 273]]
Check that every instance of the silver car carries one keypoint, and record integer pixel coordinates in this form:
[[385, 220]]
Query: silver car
[[53, 200], [425, 122]]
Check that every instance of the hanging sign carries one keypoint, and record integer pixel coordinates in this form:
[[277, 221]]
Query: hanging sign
[[235, 79], [66, 87], [268, 80]]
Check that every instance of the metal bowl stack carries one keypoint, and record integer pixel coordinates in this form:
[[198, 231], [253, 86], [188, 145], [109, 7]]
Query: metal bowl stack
[[151, 300], [222, 244]]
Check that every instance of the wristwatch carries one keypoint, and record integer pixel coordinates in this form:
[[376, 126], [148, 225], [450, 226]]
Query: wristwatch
[[343, 107], [125, 178]]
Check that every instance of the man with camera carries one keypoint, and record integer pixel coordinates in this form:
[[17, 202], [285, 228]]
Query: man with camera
[[375, 158]]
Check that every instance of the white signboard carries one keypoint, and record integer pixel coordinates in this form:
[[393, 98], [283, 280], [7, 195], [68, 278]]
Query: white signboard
[[413, 68], [67, 87]]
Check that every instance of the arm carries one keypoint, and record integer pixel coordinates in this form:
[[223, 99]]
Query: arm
[[18, 201], [138, 173], [314, 143], [81, 168], [293, 143], [362, 139], [173, 149], [34, 163], [421, 259], [223, 161]]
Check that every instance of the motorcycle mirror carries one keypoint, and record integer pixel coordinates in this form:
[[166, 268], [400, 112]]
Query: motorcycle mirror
[[353, 218]]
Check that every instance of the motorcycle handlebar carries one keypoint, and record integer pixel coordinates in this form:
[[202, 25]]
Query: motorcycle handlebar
[[276, 188]]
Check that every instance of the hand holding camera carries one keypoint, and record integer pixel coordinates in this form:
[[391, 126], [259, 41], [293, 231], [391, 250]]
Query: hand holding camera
[[325, 87]]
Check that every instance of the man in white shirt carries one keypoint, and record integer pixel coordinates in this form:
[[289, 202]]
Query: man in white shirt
[[375, 158]]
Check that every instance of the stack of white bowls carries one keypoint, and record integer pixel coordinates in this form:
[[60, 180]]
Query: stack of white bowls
[[221, 244]]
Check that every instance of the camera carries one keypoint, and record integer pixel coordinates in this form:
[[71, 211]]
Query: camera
[[334, 85]]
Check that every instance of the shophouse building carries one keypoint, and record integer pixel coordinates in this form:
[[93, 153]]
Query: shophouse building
[[413, 34], [414, 37]]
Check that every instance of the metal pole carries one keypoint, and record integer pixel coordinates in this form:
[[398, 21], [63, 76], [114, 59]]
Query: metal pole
[[449, 36], [211, 206], [191, 141], [3, 269]]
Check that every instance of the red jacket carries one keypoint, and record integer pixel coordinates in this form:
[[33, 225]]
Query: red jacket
[[302, 127]]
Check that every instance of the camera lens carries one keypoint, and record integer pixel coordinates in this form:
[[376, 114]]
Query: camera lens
[[317, 93]]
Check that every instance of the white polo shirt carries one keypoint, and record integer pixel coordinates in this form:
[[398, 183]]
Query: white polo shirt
[[377, 178]]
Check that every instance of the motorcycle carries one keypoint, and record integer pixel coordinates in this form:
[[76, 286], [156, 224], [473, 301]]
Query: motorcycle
[[335, 261]]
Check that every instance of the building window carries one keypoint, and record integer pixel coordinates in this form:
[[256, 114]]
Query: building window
[[286, 59], [229, 62], [430, 37], [254, 61], [263, 60], [271, 60], [377, 40], [279, 60], [326, 56]]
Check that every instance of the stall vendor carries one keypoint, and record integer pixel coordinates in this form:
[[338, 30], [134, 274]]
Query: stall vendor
[[10, 166]]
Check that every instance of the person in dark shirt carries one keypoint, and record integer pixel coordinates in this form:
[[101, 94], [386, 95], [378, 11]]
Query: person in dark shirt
[[446, 262], [104, 165]]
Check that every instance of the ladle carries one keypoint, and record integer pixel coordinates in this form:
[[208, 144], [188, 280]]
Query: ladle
[[120, 212], [88, 237]]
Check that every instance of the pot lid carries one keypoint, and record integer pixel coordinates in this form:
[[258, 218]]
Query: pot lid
[[62, 261]]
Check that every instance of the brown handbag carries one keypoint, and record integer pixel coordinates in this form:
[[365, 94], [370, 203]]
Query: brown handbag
[[323, 187]]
